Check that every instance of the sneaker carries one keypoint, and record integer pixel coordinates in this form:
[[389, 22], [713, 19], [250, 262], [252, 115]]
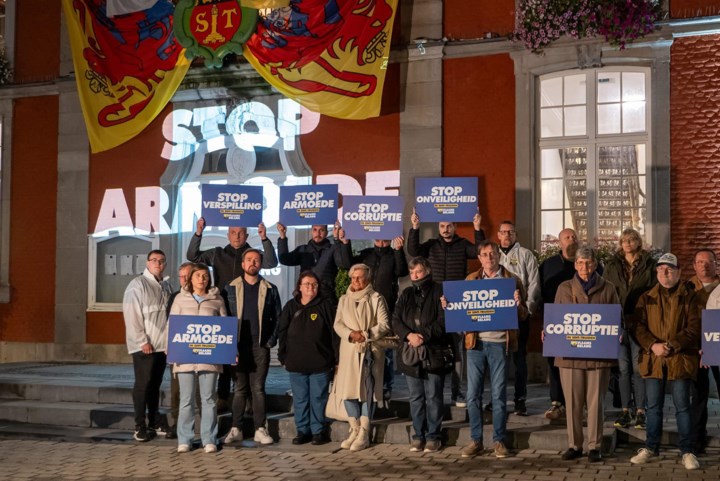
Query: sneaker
[[172, 433], [151, 433], [262, 436], [432, 446], [624, 420], [472, 449], [571, 454], [594, 456], [640, 420], [556, 411], [210, 448], [643, 456], [141, 434], [302, 439], [690, 461], [161, 428], [234, 435], [520, 408], [417, 446], [500, 450], [459, 400], [183, 448]]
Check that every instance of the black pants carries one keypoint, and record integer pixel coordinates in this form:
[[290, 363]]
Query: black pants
[[520, 360], [556, 390], [149, 370], [698, 405], [223, 387], [250, 376]]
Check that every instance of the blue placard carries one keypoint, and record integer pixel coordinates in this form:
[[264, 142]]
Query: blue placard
[[202, 339], [482, 305], [372, 216], [582, 331], [446, 199], [308, 204], [232, 205], [710, 342]]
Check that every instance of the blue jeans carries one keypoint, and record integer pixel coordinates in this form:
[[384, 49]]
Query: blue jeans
[[310, 395], [630, 374], [426, 405], [494, 354], [355, 408], [680, 390], [208, 396], [389, 370]]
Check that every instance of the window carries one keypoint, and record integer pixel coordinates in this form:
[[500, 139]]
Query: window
[[593, 152]]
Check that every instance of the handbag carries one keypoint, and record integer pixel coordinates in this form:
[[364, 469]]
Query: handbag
[[387, 342], [335, 407], [439, 358]]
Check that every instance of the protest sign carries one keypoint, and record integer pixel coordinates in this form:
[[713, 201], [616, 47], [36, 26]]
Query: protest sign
[[202, 339], [446, 199], [232, 205], [482, 305], [582, 330], [372, 216], [710, 341], [308, 204]]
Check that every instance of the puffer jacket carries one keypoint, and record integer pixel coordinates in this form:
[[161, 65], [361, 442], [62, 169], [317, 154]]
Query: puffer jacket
[[571, 292], [679, 328], [448, 260], [322, 258], [643, 280], [186, 305]]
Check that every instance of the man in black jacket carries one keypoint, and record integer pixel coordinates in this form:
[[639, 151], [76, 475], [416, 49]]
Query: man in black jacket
[[318, 255], [448, 255]]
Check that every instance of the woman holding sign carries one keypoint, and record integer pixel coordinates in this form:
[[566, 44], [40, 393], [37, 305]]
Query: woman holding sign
[[196, 298], [361, 318], [585, 380], [308, 350]]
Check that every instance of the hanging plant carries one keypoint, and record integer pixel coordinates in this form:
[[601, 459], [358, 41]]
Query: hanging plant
[[538, 23], [5, 70]]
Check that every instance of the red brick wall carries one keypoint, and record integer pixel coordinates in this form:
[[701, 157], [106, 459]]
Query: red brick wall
[[37, 41], [695, 146], [694, 8], [463, 19]]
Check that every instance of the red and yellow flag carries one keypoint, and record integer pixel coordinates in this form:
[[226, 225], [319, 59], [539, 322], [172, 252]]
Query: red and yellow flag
[[328, 55], [127, 67]]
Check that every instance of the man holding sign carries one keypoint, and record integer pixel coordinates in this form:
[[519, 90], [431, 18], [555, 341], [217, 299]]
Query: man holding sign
[[585, 380], [491, 347], [667, 328]]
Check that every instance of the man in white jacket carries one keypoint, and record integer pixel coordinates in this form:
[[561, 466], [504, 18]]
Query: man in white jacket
[[521, 262], [146, 324]]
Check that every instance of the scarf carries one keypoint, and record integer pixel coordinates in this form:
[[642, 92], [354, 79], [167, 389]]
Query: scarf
[[356, 307]]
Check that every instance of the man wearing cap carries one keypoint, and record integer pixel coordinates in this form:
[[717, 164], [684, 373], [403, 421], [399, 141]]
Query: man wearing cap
[[667, 328]]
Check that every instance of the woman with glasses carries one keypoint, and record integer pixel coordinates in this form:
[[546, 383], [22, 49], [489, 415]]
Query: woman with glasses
[[361, 318], [308, 350], [196, 298]]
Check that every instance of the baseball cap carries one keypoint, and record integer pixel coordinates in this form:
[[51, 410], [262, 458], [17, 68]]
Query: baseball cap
[[668, 260]]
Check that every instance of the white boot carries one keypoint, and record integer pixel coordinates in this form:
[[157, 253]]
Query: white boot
[[354, 428], [362, 440]]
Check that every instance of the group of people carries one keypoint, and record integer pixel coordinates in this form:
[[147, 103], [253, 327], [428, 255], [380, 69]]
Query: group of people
[[322, 338]]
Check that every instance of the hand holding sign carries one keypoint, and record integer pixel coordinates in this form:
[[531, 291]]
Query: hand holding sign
[[477, 220], [398, 242], [262, 232], [200, 226], [415, 220], [282, 230]]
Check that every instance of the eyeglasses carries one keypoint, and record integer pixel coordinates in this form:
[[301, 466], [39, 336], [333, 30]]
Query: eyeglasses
[[158, 261], [506, 232], [309, 284]]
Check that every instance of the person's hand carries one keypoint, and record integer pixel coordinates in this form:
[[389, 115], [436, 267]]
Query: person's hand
[[477, 220], [398, 243], [702, 365], [516, 296], [660, 349], [415, 220], [357, 336], [147, 348], [200, 226], [542, 335], [282, 230], [415, 340], [443, 301], [340, 234], [262, 231]]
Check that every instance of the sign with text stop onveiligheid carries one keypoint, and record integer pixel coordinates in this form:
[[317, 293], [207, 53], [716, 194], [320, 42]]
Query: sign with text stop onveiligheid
[[446, 199]]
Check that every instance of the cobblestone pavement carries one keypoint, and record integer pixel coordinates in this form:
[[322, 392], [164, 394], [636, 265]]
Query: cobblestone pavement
[[25, 459]]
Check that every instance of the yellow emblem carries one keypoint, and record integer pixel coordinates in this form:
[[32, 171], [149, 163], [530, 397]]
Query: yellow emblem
[[313, 317]]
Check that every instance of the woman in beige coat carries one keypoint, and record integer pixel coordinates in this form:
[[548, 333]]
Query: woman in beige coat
[[361, 318], [196, 299], [585, 380]]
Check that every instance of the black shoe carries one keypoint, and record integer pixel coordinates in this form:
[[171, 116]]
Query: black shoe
[[302, 439], [594, 456], [161, 427], [520, 409], [172, 433], [320, 438], [141, 434], [571, 454]]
